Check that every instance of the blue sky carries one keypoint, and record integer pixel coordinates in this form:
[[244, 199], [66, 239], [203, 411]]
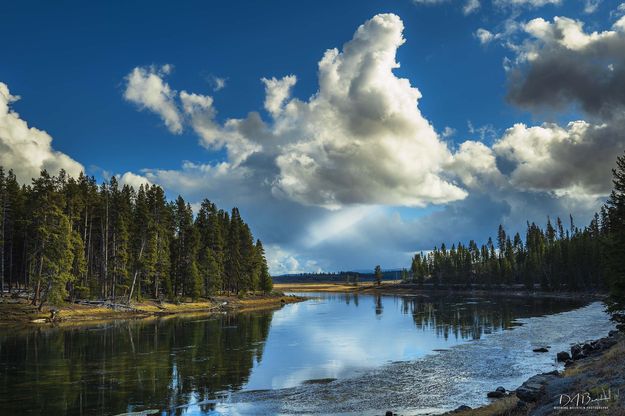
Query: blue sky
[[70, 62]]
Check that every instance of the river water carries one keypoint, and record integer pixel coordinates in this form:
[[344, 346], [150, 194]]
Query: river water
[[333, 354]]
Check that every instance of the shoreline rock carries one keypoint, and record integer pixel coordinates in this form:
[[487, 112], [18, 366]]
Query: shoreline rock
[[534, 387], [498, 393]]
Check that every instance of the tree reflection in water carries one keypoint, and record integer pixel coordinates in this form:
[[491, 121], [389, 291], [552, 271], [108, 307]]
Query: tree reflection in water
[[468, 318], [115, 368]]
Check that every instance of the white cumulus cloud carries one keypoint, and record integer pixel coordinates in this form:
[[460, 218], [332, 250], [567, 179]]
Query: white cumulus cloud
[[133, 180], [484, 36], [471, 6], [145, 88], [219, 83], [525, 3], [277, 91], [28, 150], [572, 160], [361, 138]]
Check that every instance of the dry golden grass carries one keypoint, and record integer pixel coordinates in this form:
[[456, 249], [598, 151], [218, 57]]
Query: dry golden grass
[[71, 314], [331, 287], [262, 303], [506, 406], [20, 312], [608, 364], [602, 373], [315, 287]]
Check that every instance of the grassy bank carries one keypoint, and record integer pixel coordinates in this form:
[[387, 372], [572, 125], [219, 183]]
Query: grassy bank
[[391, 287], [21, 312], [334, 287]]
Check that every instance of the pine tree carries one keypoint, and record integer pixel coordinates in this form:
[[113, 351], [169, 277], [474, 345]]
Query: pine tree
[[615, 238], [210, 271], [160, 230], [119, 240], [79, 263], [58, 257], [265, 281], [52, 251], [3, 216], [377, 275], [141, 260], [185, 247], [404, 275], [249, 259], [415, 267], [233, 253]]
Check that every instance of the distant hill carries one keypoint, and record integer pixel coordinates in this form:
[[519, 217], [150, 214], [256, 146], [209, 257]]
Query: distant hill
[[342, 277]]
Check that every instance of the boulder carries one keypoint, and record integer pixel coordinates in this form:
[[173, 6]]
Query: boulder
[[577, 352], [462, 408], [529, 392], [389, 413], [495, 394], [563, 356], [541, 349], [534, 387], [618, 317], [501, 389], [606, 343]]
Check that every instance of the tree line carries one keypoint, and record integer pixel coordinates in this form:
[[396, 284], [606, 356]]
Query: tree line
[[554, 257], [65, 237]]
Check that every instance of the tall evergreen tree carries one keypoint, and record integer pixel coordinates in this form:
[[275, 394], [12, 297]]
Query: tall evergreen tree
[[265, 282], [3, 218], [615, 236], [233, 253], [52, 252], [377, 275]]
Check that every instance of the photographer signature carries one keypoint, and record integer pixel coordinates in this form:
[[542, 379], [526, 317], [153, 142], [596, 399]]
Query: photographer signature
[[585, 398]]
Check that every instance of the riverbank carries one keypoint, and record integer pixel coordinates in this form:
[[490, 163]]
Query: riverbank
[[20, 312], [333, 287], [593, 384], [399, 288]]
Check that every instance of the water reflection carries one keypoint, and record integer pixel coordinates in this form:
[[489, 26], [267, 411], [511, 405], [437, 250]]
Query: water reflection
[[127, 366], [378, 305], [471, 318], [189, 366]]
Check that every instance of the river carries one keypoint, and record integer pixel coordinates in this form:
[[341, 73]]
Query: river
[[333, 354]]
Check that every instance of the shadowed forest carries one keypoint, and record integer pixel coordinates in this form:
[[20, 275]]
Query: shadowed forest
[[65, 238]]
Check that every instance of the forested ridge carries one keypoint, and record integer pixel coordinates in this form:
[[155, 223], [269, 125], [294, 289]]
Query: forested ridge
[[554, 257], [67, 238]]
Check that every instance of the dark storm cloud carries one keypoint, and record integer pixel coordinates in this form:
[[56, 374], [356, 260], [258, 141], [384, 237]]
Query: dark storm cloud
[[559, 78], [563, 65]]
